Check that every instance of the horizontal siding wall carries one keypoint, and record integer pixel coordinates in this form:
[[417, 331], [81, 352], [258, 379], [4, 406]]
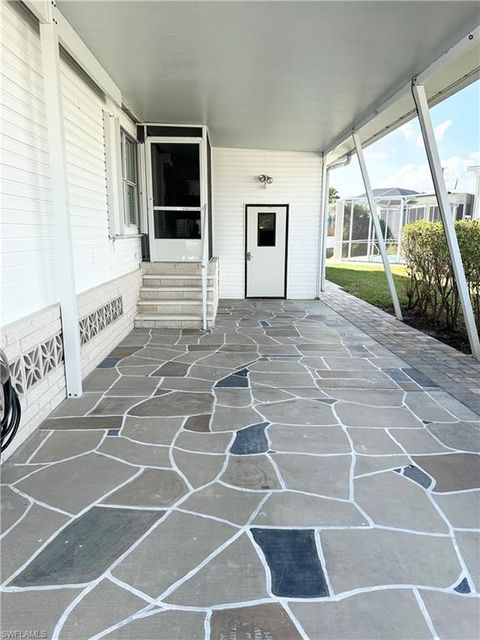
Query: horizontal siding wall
[[97, 257], [296, 182], [27, 231]]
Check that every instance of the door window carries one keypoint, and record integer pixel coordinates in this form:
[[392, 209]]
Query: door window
[[266, 226]]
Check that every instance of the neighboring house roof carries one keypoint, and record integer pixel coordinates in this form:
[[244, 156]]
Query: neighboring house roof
[[390, 191]]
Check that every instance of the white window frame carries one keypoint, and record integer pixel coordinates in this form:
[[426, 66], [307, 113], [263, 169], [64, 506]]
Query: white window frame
[[125, 183]]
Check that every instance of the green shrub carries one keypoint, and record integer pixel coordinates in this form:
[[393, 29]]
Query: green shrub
[[431, 289]]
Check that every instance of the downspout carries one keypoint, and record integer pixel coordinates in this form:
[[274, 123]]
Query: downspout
[[342, 162]]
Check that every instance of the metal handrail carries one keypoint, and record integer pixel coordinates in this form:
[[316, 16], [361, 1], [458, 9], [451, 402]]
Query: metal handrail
[[205, 261]]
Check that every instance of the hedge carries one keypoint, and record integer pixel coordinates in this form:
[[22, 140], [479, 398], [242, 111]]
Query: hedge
[[431, 290]]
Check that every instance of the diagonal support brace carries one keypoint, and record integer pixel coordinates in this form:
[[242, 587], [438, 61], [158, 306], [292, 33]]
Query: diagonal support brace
[[376, 225]]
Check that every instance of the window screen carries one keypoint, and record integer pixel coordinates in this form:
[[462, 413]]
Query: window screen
[[266, 229], [129, 179]]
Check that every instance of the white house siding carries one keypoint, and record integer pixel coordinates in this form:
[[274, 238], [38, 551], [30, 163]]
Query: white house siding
[[296, 182], [106, 270], [27, 229], [97, 257]]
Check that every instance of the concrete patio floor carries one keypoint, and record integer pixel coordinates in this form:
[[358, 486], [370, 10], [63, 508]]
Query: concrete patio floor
[[284, 476]]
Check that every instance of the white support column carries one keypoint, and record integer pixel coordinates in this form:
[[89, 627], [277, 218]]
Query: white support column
[[64, 268], [423, 112], [323, 228], [376, 224]]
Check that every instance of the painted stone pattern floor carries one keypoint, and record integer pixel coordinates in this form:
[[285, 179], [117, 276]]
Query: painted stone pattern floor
[[283, 476]]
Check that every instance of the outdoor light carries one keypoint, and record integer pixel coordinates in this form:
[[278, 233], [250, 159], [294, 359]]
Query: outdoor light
[[264, 179]]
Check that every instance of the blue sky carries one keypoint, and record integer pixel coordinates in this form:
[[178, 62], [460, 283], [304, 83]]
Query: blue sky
[[399, 160]]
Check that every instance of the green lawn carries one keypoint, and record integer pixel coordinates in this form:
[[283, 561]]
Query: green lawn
[[368, 281]]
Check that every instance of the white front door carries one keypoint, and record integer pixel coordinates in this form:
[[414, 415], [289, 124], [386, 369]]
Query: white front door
[[175, 198], [266, 251]]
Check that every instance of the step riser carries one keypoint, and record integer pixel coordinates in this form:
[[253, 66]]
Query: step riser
[[164, 282], [173, 295], [171, 324], [172, 309], [172, 268]]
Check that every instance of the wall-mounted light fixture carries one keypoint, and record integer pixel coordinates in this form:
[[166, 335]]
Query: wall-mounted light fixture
[[264, 179]]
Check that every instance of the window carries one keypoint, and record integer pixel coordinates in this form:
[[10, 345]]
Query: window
[[266, 229], [129, 179]]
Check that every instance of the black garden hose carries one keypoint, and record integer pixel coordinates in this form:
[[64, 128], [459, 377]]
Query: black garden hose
[[11, 414]]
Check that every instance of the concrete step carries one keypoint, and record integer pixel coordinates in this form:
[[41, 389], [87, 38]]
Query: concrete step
[[172, 306], [172, 268], [159, 321], [166, 293], [173, 280]]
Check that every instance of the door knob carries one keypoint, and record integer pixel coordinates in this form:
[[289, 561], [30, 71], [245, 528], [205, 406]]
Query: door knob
[[249, 255]]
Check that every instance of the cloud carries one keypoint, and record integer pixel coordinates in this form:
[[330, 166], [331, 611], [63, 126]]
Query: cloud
[[408, 131], [440, 131], [417, 176]]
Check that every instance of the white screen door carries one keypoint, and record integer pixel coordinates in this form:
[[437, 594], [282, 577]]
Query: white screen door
[[266, 251], [174, 198]]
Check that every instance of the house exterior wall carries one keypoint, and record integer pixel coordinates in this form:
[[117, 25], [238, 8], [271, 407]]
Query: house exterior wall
[[107, 274], [296, 182]]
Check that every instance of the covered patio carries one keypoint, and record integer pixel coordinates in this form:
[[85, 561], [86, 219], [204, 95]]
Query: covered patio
[[283, 476]]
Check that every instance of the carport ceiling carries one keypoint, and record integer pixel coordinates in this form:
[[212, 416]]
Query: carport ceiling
[[270, 75]]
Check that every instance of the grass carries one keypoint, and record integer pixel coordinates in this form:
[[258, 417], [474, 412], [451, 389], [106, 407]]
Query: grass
[[368, 282]]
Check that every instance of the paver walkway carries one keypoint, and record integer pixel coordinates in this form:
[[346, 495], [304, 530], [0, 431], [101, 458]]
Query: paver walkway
[[282, 477]]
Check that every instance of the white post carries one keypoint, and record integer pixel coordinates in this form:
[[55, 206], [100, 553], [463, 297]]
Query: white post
[[64, 268], [323, 228], [423, 112], [376, 224]]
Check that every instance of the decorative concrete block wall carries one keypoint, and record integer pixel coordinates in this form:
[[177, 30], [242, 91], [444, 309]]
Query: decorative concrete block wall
[[34, 346]]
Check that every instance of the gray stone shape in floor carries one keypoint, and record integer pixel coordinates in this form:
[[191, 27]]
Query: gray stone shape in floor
[[66, 444], [163, 625], [295, 438], [105, 605], [278, 366], [372, 464], [28, 447], [231, 419], [86, 547], [153, 488], [392, 501], [418, 441], [12, 507], [426, 408], [251, 472], [236, 574], [123, 351], [457, 435], [355, 415], [452, 471], [199, 468], [184, 384], [378, 615], [233, 397], [453, 616], [270, 394], [223, 502], [151, 430], [19, 544], [133, 386], [136, 453], [358, 559], [177, 403], [463, 586], [372, 441], [416, 474], [25, 613], [85, 422], [384, 398], [74, 484], [175, 547], [76, 406], [12, 473], [289, 509], [172, 369], [260, 622], [250, 440], [303, 412], [451, 404], [469, 545], [203, 442], [461, 509], [199, 423], [115, 406], [282, 380], [100, 380], [328, 476]]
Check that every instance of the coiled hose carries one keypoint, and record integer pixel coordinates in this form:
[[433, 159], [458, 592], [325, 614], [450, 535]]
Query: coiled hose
[[12, 412]]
